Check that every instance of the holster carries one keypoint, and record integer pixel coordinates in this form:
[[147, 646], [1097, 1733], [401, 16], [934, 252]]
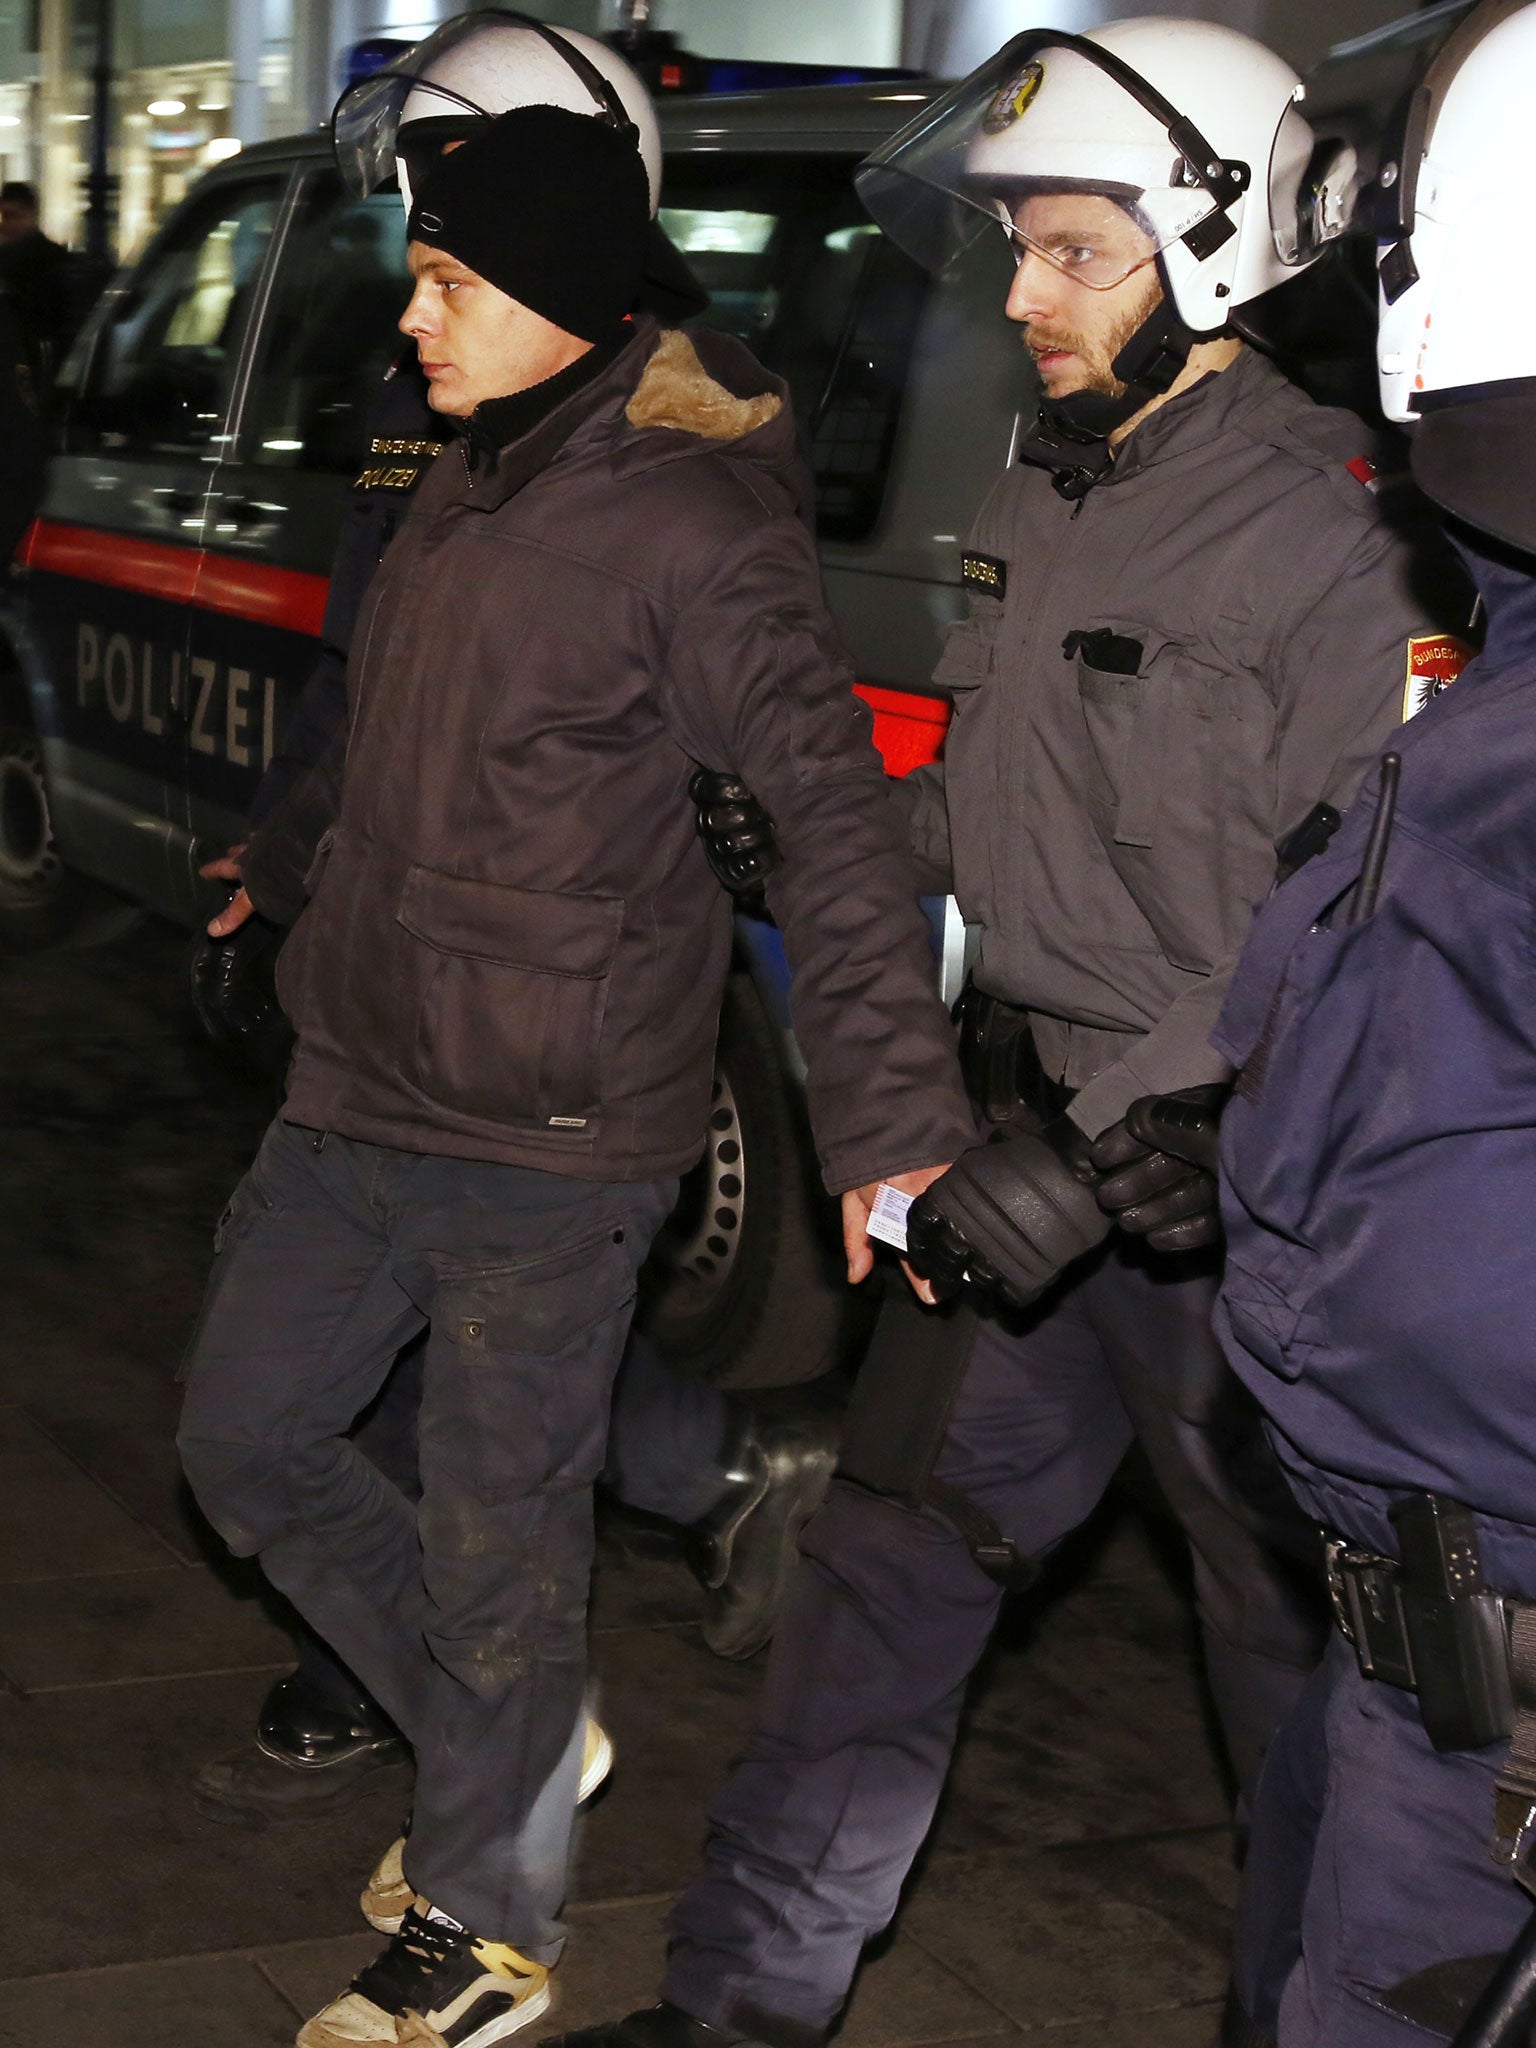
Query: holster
[[1431, 1625], [1000, 1065], [898, 1416], [1428, 1623]]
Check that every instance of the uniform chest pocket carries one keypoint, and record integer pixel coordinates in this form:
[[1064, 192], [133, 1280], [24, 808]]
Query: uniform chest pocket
[[1174, 779], [1139, 697]]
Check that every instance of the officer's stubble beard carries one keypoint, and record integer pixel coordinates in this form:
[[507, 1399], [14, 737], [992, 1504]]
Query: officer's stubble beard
[[1095, 353]]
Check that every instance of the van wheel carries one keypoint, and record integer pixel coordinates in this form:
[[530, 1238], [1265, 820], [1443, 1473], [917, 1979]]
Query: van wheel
[[745, 1284], [40, 898]]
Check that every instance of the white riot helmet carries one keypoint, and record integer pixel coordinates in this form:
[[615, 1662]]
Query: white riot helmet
[[1458, 185], [1457, 341], [1192, 128], [481, 64]]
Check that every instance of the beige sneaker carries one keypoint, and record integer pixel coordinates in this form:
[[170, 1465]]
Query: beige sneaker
[[435, 1986], [387, 1896]]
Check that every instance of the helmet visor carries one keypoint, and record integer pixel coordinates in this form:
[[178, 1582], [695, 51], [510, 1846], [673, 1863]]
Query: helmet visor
[[365, 125], [1051, 114], [366, 119]]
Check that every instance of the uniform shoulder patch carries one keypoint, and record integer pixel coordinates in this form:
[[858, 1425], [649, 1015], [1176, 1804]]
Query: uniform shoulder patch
[[1435, 660], [986, 573]]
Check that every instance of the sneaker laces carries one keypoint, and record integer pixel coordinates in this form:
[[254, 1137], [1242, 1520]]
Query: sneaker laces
[[401, 1978]]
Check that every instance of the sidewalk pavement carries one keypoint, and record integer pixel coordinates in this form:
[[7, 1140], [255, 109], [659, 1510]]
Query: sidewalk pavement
[[1079, 1881]]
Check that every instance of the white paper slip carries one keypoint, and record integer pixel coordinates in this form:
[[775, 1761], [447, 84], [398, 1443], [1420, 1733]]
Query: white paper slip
[[888, 1218]]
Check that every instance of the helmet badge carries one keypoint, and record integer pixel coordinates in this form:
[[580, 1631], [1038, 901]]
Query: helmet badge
[[1014, 99]]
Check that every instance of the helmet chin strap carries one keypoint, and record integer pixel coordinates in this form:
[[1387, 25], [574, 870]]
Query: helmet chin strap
[[1071, 437]]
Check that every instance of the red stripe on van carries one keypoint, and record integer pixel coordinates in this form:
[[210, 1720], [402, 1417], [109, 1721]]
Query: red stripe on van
[[272, 597], [268, 596], [113, 558], [909, 731]]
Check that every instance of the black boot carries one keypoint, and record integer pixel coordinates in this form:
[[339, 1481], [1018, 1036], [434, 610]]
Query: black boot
[[312, 1755], [654, 2026], [778, 1474]]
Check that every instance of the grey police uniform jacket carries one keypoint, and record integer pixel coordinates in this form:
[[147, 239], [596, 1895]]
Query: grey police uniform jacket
[[1112, 832]]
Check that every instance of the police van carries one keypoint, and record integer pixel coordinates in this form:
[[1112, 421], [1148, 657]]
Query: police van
[[163, 617]]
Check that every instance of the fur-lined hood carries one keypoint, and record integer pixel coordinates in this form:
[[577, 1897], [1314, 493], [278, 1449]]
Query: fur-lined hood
[[705, 393], [678, 393], [665, 397]]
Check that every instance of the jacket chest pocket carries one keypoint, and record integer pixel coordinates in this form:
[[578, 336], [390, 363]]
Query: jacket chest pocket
[[1116, 722], [510, 987], [1151, 714], [1179, 806]]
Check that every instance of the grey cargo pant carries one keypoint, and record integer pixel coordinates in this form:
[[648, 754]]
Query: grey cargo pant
[[666, 1456], [888, 1613], [465, 1615]]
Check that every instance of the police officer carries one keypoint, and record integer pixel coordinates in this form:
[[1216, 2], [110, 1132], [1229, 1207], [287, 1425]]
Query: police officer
[[741, 1482], [1189, 629], [1380, 1149], [23, 437]]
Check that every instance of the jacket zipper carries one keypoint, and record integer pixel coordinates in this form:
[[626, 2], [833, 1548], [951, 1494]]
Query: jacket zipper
[[1019, 707]]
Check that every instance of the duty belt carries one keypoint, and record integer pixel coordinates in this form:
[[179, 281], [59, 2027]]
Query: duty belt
[[1429, 1624], [999, 1063]]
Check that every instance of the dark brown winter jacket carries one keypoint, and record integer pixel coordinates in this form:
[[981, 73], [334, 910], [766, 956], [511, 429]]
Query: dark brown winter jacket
[[514, 948]]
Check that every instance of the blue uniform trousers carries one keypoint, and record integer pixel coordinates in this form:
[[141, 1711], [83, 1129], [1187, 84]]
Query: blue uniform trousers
[[464, 1614], [888, 1614], [1372, 1855]]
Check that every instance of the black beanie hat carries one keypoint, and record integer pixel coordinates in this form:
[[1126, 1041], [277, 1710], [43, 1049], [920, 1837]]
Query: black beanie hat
[[551, 207]]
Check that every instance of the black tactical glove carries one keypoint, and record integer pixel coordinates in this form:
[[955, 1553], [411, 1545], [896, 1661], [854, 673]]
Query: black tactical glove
[[235, 995], [1158, 1168], [736, 831], [1009, 1216]]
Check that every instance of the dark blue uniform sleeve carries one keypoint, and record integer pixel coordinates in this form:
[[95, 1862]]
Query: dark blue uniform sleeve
[[23, 438], [399, 414]]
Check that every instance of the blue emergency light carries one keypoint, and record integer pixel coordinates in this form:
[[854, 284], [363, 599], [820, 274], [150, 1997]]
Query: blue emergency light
[[362, 59], [742, 74]]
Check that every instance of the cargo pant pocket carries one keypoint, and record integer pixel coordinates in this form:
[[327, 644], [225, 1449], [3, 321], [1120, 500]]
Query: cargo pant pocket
[[250, 1204], [520, 1369]]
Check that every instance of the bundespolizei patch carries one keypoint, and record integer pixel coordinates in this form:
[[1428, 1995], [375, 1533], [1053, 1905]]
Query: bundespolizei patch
[[1435, 660], [984, 573]]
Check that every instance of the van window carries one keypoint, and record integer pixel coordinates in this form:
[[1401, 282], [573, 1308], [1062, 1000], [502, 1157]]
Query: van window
[[159, 376], [797, 270], [330, 332]]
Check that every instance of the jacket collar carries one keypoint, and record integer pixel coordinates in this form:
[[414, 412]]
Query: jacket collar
[[497, 422], [1201, 414], [656, 401], [699, 391], [521, 460]]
